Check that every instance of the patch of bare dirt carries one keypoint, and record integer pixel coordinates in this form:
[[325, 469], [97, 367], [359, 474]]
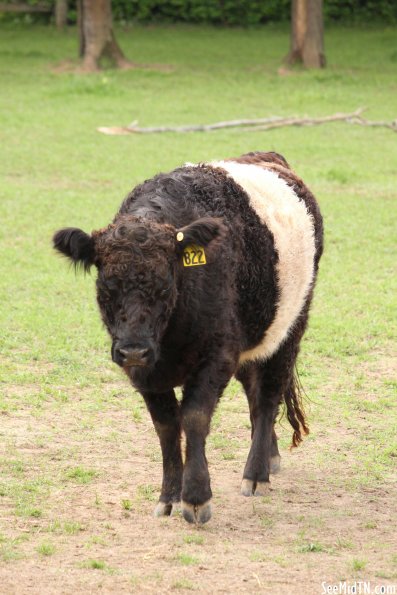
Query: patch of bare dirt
[[309, 529], [384, 367]]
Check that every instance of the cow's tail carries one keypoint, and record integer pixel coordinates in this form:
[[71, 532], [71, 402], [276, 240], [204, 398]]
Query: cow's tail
[[293, 398]]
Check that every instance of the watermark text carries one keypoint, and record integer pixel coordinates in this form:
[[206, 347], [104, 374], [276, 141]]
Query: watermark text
[[357, 588]]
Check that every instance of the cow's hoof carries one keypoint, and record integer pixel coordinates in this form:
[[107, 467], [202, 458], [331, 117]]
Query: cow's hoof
[[275, 464], [176, 509], [167, 509], [254, 488], [247, 487], [196, 513], [262, 488]]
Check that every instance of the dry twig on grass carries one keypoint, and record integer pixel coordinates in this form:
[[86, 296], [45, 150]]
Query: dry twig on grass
[[251, 125]]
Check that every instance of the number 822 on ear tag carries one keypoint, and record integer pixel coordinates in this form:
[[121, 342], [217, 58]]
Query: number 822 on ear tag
[[193, 256]]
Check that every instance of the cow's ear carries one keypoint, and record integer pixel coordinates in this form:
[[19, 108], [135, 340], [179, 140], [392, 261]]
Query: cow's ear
[[76, 245], [201, 232]]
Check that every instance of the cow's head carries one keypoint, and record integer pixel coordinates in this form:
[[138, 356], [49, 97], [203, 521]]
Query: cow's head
[[138, 262]]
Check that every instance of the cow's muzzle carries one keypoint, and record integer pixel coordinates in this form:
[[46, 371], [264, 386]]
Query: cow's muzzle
[[134, 357], [128, 356]]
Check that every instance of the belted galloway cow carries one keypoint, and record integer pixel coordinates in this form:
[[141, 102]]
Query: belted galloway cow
[[208, 272]]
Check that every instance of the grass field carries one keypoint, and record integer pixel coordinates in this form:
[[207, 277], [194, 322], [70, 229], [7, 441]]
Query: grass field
[[80, 466]]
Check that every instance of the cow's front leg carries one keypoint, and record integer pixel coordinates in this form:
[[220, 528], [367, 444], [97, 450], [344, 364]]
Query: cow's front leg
[[165, 412], [200, 398]]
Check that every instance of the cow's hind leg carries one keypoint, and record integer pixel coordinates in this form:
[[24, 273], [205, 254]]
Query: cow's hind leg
[[165, 412], [267, 384], [263, 412], [263, 403], [275, 458]]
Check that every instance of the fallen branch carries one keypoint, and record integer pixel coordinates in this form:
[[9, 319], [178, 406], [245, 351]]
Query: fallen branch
[[306, 121], [359, 120], [133, 128], [251, 125]]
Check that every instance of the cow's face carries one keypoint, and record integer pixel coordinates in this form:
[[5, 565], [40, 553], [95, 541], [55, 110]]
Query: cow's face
[[136, 287], [138, 262]]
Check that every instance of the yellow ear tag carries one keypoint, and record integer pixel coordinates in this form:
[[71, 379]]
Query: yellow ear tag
[[193, 256], [179, 236]]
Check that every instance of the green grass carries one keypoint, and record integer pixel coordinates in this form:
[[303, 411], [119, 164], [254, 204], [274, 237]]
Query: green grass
[[187, 559], [10, 547], [311, 547], [46, 549], [256, 556], [81, 475], [183, 584], [126, 504], [358, 565], [65, 528], [68, 417], [146, 492], [194, 538], [94, 564]]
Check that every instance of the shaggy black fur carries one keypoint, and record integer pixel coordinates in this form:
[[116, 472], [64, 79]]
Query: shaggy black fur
[[192, 192], [186, 326]]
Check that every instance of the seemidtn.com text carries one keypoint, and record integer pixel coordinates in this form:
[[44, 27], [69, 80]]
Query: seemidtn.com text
[[357, 588]]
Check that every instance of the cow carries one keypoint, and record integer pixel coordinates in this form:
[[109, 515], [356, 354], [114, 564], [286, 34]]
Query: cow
[[207, 273]]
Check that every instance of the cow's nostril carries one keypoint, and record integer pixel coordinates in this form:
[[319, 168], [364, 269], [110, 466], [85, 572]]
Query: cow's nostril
[[133, 357]]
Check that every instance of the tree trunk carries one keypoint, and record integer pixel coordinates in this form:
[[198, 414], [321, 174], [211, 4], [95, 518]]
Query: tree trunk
[[96, 38], [307, 34], [61, 13]]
